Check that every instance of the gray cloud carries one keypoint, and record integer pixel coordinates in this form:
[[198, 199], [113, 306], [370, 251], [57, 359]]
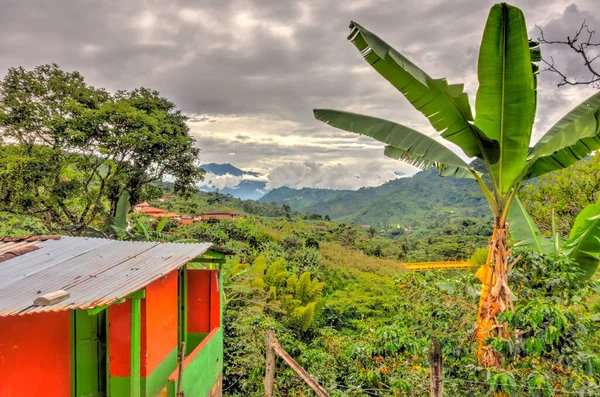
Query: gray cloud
[[331, 176], [249, 72]]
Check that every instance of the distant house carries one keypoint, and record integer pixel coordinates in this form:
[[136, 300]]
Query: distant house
[[170, 215], [143, 204], [149, 210], [165, 198], [217, 215], [365, 226], [97, 317], [156, 213]]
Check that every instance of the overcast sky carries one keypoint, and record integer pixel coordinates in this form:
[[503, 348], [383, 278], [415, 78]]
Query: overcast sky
[[250, 72]]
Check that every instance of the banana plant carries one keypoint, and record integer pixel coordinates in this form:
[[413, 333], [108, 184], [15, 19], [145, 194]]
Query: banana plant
[[118, 225], [498, 136], [583, 244]]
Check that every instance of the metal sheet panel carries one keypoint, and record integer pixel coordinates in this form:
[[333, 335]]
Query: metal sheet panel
[[95, 272]]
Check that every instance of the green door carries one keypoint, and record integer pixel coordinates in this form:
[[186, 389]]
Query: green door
[[89, 358]]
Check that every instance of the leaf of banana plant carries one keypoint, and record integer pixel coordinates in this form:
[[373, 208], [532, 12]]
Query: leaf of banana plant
[[403, 142], [123, 207], [524, 230], [446, 106], [424, 164], [535, 52], [505, 103], [161, 225], [583, 244], [557, 240], [571, 139]]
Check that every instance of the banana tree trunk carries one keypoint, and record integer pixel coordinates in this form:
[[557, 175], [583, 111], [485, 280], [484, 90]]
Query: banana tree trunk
[[495, 295]]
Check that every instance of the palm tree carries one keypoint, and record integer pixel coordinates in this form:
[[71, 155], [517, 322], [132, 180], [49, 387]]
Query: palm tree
[[498, 137]]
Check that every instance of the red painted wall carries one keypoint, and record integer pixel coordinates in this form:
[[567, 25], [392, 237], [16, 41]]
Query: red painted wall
[[159, 322], [119, 326], [203, 301], [159, 328], [35, 355], [215, 300]]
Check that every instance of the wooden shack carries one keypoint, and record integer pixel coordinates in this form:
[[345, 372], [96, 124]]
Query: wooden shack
[[98, 317], [218, 215]]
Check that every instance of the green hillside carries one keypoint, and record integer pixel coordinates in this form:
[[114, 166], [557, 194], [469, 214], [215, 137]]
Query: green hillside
[[407, 202], [301, 199]]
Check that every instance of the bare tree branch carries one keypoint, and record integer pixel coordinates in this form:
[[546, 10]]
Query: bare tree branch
[[580, 43]]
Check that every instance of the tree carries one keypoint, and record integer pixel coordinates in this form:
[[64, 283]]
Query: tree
[[372, 231], [563, 193], [583, 244], [498, 136], [71, 150], [583, 44], [287, 210]]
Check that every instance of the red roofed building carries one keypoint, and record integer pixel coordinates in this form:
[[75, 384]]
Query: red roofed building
[[217, 215], [94, 317]]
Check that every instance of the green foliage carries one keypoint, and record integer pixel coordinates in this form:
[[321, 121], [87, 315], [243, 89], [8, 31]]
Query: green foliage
[[16, 225], [404, 202], [565, 193], [119, 222], [499, 135], [70, 150], [301, 199], [583, 244], [550, 328], [479, 257], [503, 382], [298, 296]]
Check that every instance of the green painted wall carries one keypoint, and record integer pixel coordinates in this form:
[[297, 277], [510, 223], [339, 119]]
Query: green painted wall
[[193, 340], [153, 384], [200, 375], [150, 386]]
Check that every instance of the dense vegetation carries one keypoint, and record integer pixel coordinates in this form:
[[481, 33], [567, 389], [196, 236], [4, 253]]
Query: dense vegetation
[[362, 325], [498, 134], [404, 202], [68, 151], [334, 291]]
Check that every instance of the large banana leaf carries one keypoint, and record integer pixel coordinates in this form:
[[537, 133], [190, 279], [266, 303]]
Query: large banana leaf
[[505, 103], [571, 139], [524, 230], [123, 207], [535, 52], [583, 244], [444, 169], [404, 143], [446, 106]]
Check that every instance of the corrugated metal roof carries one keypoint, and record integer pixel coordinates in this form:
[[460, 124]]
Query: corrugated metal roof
[[94, 271], [14, 246]]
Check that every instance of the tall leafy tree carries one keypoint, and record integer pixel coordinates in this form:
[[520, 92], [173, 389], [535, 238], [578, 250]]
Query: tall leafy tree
[[583, 244], [563, 193], [69, 150], [499, 136]]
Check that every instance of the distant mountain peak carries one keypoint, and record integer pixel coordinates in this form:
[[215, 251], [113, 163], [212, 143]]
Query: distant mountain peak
[[226, 168], [246, 185]]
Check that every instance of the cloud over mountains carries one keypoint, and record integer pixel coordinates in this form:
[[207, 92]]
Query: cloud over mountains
[[249, 72]]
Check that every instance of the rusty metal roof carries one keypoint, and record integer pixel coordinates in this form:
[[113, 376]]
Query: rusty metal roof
[[14, 246], [94, 271]]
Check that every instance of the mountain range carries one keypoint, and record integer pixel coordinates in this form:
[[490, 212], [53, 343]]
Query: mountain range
[[228, 179], [403, 202], [224, 169]]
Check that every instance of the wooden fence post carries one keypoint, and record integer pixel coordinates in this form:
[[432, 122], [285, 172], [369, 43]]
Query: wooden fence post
[[436, 370], [299, 370], [270, 364], [180, 359]]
